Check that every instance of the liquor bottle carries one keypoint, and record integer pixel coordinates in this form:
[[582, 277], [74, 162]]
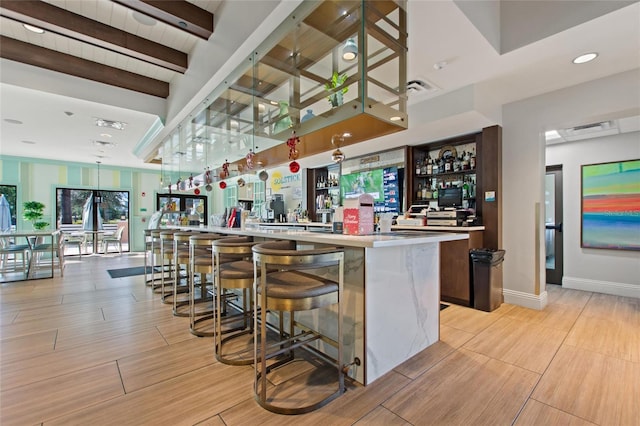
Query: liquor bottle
[[419, 192], [447, 165], [424, 192], [418, 168], [465, 160], [429, 166], [472, 160]]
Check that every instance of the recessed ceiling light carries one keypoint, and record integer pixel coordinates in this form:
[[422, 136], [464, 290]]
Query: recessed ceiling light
[[33, 29], [12, 121], [118, 125], [395, 118], [107, 144], [585, 58], [29, 142]]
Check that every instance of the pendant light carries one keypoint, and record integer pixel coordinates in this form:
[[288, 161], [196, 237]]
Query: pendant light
[[350, 50]]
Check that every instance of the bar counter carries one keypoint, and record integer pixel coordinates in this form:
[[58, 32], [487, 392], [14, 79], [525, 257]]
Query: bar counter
[[391, 303]]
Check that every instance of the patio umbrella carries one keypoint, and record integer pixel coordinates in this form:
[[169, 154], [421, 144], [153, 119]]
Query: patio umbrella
[[87, 215], [5, 214]]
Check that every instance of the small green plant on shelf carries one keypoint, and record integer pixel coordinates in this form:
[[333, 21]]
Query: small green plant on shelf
[[337, 80], [33, 211]]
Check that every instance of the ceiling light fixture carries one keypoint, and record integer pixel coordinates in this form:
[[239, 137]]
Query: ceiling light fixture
[[105, 135], [118, 125], [395, 118], [350, 50], [105, 144], [33, 29], [587, 57], [12, 121]]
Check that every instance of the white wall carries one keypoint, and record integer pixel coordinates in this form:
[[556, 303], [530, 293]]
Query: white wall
[[523, 164], [606, 271]]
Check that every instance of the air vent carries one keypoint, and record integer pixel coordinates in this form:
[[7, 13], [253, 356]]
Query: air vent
[[420, 86], [587, 131]]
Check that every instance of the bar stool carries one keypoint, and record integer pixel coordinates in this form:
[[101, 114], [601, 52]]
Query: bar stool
[[201, 262], [234, 272], [181, 281], [290, 289], [148, 255], [166, 259], [155, 256]]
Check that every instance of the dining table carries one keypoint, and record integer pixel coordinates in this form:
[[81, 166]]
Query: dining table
[[32, 240]]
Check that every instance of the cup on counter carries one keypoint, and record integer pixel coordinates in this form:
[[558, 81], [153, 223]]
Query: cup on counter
[[384, 222]]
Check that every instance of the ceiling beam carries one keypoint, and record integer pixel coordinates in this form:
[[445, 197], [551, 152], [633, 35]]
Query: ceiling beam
[[65, 23], [30, 54], [177, 13]]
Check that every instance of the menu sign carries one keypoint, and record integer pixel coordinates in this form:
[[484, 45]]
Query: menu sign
[[391, 190]]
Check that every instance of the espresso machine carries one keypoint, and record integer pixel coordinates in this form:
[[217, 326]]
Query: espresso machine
[[275, 209]]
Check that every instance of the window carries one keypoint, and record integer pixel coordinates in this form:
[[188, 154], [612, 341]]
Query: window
[[9, 192], [93, 214]]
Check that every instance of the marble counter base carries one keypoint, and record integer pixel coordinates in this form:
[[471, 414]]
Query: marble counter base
[[402, 303]]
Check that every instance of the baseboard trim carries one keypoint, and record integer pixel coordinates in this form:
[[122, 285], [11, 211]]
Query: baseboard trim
[[527, 300], [607, 287]]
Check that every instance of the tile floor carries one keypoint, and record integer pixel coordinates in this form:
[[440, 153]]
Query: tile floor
[[89, 349]]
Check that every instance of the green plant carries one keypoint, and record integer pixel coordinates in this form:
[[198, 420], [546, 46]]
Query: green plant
[[337, 80], [33, 211]]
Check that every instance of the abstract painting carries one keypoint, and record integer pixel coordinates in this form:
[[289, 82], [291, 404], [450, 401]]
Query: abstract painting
[[611, 205]]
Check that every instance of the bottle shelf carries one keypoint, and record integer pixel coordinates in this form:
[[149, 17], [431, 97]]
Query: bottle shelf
[[327, 188], [459, 172]]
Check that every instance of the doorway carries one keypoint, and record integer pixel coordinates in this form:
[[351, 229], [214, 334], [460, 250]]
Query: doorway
[[553, 224]]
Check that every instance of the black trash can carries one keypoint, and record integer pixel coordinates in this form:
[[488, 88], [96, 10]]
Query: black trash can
[[487, 278]]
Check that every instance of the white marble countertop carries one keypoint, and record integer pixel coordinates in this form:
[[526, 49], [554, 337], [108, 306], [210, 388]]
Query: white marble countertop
[[391, 239], [400, 227]]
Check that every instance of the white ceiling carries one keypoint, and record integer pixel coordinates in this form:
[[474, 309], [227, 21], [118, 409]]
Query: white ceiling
[[439, 32]]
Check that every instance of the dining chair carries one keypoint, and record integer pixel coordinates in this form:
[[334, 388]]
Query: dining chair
[[115, 239]]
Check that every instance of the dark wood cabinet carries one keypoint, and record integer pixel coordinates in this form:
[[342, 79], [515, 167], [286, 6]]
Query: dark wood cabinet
[[455, 269]]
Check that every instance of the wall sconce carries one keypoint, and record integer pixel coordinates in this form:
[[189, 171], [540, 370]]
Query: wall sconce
[[350, 50]]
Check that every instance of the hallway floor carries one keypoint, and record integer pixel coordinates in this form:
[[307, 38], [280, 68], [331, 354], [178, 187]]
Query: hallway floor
[[89, 349]]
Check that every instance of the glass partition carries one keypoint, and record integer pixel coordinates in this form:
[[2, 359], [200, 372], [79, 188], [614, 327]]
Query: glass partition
[[332, 67]]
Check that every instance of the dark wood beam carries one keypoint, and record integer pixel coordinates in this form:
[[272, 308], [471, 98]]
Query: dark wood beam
[[177, 13], [63, 22], [26, 53]]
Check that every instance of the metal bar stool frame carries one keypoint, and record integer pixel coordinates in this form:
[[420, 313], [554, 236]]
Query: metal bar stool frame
[[181, 257], [201, 262], [237, 254], [166, 253], [284, 256], [148, 257]]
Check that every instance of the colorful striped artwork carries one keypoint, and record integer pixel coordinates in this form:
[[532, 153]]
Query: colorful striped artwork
[[611, 205]]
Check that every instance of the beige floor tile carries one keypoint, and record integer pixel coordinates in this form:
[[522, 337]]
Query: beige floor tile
[[27, 346], [450, 339], [565, 296], [184, 400], [7, 317], [554, 315], [163, 363], [536, 413], [381, 417], [514, 342], [177, 330], [467, 319], [354, 404], [43, 324], [60, 395], [213, 421], [592, 386], [618, 339], [466, 388], [614, 308], [25, 371]]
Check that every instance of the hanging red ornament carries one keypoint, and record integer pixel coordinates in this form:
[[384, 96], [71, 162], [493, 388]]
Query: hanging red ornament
[[225, 170], [196, 191], [294, 167], [223, 184], [249, 159], [291, 143]]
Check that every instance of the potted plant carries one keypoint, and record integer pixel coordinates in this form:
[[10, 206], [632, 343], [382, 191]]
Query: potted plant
[[337, 80], [33, 211]]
